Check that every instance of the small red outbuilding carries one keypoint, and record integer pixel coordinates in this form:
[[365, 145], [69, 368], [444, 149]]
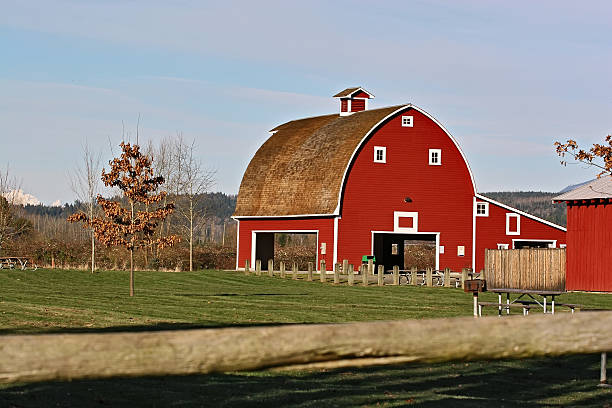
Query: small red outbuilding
[[589, 236]]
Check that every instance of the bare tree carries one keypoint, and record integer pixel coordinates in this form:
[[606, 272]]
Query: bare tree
[[85, 183], [192, 181], [10, 188]]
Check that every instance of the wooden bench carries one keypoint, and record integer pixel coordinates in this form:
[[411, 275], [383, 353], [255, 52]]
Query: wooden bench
[[571, 306], [501, 306]]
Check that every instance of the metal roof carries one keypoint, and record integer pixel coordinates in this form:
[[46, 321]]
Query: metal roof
[[600, 188]]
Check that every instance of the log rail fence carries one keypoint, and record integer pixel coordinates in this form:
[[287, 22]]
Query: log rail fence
[[51, 357]]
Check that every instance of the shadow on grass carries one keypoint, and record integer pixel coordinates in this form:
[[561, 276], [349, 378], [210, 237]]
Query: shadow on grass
[[137, 328], [566, 381], [240, 294]]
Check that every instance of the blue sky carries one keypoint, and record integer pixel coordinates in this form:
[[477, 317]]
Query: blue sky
[[507, 79]]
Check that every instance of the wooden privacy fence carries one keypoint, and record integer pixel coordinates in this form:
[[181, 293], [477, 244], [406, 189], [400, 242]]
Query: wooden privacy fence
[[73, 356], [528, 269]]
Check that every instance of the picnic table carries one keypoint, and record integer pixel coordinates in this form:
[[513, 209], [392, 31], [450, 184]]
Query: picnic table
[[22, 262], [529, 297]]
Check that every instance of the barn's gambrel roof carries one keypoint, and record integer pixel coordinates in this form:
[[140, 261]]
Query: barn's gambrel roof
[[301, 169]]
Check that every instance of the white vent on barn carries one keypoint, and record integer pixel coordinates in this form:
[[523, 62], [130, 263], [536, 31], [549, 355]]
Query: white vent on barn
[[353, 100]]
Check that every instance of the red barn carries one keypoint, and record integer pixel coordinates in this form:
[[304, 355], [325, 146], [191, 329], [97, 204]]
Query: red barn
[[589, 236], [367, 181]]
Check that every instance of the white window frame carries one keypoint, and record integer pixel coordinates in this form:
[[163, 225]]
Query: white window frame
[[407, 121], [382, 149], [503, 246], [439, 153], [562, 246], [485, 206], [402, 214], [518, 224], [460, 250], [441, 249]]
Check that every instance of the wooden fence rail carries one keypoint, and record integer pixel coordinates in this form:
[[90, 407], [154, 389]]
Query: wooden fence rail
[[533, 269], [48, 357]]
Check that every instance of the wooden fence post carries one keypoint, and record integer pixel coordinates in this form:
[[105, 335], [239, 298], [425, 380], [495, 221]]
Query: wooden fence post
[[322, 271], [351, 275], [464, 274], [258, 267], [396, 275], [336, 273], [309, 276], [429, 277], [381, 275], [447, 278], [345, 267], [294, 271], [413, 276], [364, 274], [270, 267], [247, 267], [281, 266]]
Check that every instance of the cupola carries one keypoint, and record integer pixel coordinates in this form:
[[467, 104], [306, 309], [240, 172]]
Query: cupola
[[353, 100]]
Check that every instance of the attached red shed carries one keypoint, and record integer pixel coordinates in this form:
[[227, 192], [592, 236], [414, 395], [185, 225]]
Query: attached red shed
[[368, 181], [589, 236]]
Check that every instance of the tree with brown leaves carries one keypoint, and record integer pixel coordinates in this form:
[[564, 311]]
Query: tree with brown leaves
[[590, 157], [133, 227]]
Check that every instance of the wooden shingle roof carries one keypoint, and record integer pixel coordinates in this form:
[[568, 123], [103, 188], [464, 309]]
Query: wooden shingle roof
[[350, 91], [299, 170]]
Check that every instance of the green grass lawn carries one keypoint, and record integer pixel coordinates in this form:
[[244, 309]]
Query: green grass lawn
[[48, 301]]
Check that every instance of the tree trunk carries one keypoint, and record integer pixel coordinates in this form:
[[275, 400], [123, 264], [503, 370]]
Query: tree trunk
[[132, 251], [93, 252], [191, 235], [131, 272]]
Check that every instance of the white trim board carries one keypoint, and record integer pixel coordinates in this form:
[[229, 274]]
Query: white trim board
[[553, 241], [507, 207], [246, 217], [254, 240], [518, 224], [237, 245]]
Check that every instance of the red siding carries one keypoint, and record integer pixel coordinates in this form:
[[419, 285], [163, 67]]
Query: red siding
[[589, 247], [343, 105], [442, 195], [357, 105], [361, 94], [325, 227], [491, 231]]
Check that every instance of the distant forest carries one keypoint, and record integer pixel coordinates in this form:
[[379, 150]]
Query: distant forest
[[220, 206], [537, 203]]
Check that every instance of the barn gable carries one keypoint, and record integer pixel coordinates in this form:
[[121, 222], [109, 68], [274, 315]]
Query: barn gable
[[302, 168]]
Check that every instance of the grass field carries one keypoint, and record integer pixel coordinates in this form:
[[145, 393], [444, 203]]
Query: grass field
[[48, 301]]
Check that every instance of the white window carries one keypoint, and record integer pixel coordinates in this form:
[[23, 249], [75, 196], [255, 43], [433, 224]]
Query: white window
[[513, 224], [562, 245], [435, 157], [407, 121], [405, 221], [323, 248], [380, 154], [502, 246], [441, 249], [461, 250], [482, 209]]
